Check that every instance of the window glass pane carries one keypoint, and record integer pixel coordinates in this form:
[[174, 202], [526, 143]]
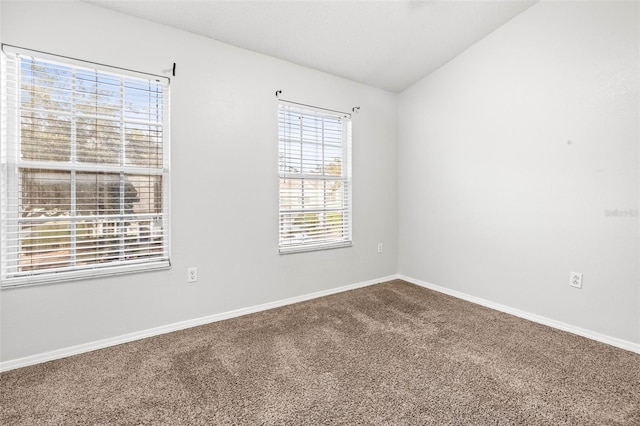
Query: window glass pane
[[148, 190], [45, 86], [108, 235], [45, 136], [143, 100], [143, 145], [335, 224], [334, 195], [45, 234], [45, 193], [144, 232], [291, 158], [333, 162], [97, 193], [45, 244], [97, 93], [291, 194], [98, 141], [97, 240], [312, 158]]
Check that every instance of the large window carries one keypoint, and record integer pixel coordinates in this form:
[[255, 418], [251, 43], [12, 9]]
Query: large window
[[315, 178], [85, 168]]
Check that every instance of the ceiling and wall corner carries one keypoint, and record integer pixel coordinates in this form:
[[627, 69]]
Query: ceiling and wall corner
[[384, 44]]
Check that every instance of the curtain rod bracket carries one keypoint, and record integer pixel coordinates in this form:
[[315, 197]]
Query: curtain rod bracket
[[278, 93], [356, 109]]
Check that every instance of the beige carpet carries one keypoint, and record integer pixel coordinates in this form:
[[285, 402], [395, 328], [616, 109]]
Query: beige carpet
[[392, 353]]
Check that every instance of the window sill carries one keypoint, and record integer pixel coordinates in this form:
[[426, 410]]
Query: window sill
[[318, 247], [59, 277]]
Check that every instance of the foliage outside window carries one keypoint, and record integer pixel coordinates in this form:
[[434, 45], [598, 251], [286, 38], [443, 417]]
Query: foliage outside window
[[315, 178], [84, 170]]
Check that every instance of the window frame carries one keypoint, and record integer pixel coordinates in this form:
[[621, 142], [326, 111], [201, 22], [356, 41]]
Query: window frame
[[12, 272], [344, 181]]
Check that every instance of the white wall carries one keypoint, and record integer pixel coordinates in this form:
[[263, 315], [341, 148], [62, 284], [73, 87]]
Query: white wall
[[494, 200], [224, 183]]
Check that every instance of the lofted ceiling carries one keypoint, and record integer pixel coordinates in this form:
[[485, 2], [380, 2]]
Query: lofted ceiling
[[384, 44]]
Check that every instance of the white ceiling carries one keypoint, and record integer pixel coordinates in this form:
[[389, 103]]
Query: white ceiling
[[385, 44]]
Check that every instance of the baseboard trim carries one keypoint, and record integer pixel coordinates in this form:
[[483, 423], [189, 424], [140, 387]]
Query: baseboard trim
[[130, 337], [603, 338]]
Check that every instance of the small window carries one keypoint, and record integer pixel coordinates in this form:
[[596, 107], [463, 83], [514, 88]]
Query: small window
[[85, 170], [315, 178]]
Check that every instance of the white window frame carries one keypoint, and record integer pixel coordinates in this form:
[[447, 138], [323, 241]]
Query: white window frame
[[330, 210], [12, 273]]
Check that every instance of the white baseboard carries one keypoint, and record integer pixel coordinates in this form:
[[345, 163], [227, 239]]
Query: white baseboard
[[613, 341], [104, 343]]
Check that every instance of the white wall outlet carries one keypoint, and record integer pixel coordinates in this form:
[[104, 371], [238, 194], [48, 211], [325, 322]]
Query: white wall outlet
[[192, 275], [575, 279], [379, 247]]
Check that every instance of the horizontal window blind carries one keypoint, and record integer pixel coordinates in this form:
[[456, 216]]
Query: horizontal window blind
[[315, 178], [85, 170]]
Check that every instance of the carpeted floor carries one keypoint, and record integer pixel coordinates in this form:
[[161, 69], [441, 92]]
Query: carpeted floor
[[392, 353]]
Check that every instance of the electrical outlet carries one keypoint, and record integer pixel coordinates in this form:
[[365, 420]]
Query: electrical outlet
[[379, 247], [192, 275], [575, 279]]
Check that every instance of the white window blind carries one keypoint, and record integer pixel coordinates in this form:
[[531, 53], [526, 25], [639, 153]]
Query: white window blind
[[315, 178], [85, 170]]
